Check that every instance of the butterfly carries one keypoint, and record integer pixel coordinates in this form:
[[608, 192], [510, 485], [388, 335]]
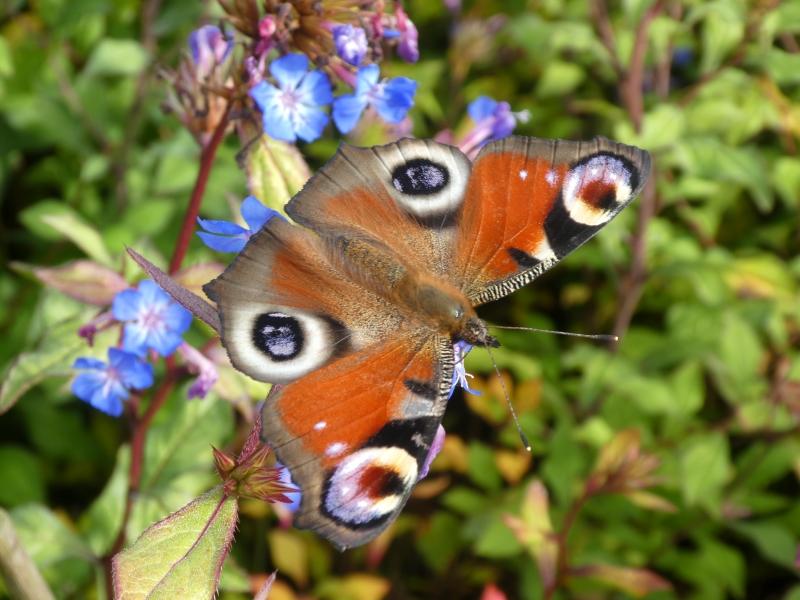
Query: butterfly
[[353, 311]]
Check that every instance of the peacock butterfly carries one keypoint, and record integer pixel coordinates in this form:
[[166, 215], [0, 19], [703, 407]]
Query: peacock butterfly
[[355, 312]]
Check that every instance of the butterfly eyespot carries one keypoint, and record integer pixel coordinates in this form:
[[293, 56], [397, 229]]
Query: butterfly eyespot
[[420, 176], [367, 487], [279, 345], [597, 186], [278, 335]]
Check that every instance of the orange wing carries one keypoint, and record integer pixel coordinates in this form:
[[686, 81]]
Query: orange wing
[[355, 434], [530, 201], [286, 309]]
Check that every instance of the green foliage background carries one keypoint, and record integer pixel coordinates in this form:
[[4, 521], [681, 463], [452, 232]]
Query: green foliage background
[[701, 275]]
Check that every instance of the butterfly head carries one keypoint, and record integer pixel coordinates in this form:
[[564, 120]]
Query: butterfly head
[[476, 333]]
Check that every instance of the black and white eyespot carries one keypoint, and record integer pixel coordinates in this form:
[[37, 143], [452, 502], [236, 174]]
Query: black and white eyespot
[[425, 178], [368, 486], [420, 177], [597, 187], [278, 344]]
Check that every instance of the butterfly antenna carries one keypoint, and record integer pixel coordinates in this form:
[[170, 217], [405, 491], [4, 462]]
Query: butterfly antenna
[[597, 336], [522, 435]]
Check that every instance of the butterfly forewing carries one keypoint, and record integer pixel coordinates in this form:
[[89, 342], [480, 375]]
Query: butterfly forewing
[[530, 201], [407, 195]]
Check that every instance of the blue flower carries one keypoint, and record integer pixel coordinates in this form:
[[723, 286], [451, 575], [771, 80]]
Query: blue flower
[[391, 98], [224, 236], [494, 115], [152, 319], [350, 42], [106, 385], [460, 375], [293, 110]]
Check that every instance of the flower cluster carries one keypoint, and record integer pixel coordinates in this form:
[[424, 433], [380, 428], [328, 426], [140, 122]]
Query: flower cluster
[[290, 57], [294, 106], [151, 323]]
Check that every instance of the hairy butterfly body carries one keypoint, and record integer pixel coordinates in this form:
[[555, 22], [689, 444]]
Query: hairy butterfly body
[[356, 310]]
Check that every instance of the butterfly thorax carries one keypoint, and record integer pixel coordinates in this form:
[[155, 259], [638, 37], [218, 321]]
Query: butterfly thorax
[[423, 296]]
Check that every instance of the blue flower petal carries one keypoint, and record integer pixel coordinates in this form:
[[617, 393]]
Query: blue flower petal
[[396, 99], [86, 384], [125, 306], [151, 293], [134, 338], [310, 121], [109, 402], [347, 111], [315, 88], [165, 341], [133, 371], [86, 362], [481, 108], [289, 70], [265, 95], [221, 227], [222, 244], [390, 34], [177, 318], [278, 124], [255, 214], [366, 79]]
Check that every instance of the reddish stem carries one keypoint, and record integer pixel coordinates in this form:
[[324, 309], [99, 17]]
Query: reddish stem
[[142, 424], [189, 219]]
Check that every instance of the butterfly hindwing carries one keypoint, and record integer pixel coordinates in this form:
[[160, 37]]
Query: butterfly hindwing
[[531, 201], [286, 309], [355, 434]]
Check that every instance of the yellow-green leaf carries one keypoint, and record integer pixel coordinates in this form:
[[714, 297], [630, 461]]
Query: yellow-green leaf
[[181, 556]]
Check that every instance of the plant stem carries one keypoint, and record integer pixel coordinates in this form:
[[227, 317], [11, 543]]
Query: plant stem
[[22, 578], [206, 160], [141, 425]]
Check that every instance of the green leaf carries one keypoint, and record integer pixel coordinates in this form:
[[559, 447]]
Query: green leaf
[[688, 389], [181, 556], [661, 127], [178, 459], [705, 468], [441, 540], [774, 541], [289, 555], [103, 520], [482, 467], [117, 58], [636, 582], [53, 358], [21, 474], [534, 530], [559, 78], [64, 560], [81, 234], [497, 540], [275, 171], [738, 369], [83, 280]]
